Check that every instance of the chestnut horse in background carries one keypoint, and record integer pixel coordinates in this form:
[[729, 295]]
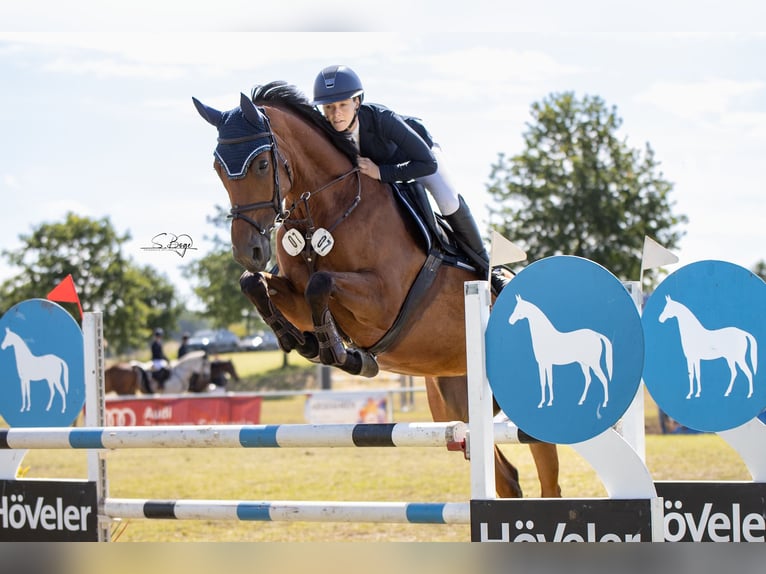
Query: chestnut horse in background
[[347, 258]]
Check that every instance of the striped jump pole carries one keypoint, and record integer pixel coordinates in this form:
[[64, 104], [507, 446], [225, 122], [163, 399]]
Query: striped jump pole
[[290, 511], [237, 436]]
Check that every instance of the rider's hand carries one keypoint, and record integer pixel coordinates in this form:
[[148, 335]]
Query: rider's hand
[[368, 167]]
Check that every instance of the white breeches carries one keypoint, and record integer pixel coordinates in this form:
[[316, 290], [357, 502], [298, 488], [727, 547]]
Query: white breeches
[[440, 186]]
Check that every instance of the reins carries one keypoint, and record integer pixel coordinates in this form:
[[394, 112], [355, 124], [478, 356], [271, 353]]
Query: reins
[[282, 216]]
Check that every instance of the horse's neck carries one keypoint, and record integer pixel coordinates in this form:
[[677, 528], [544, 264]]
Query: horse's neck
[[314, 160], [20, 348], [687, 320], [538, 322]]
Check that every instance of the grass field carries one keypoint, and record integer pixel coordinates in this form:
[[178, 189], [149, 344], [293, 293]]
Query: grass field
[[345, 474]]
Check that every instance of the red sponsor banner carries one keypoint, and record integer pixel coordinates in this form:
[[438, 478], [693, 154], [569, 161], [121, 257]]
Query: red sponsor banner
[[155, 411]]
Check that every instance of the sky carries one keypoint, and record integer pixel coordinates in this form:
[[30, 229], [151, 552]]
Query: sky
[[98, 119]]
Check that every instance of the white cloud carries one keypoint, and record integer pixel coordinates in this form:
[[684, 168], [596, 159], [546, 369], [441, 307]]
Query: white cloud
[[706, 100]]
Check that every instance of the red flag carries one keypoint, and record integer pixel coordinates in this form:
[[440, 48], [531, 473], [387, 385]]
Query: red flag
[[65, 292]]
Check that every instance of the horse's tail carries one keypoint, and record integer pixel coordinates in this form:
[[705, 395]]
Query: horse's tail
[[753, 351], [65, 375], [607, 355]]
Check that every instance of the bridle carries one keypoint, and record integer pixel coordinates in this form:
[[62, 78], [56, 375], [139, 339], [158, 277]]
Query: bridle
[[275, 203]]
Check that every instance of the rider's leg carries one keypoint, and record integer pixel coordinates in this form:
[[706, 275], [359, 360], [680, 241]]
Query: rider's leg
[[457, 213]]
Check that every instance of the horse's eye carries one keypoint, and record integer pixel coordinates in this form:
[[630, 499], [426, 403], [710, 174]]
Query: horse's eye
[[263, 165]]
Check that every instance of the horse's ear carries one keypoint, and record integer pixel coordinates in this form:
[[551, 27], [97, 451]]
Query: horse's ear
[[209, 114], [252, 114]]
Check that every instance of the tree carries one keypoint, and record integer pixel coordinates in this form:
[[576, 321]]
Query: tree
[[760, 269], [133, 299], [577, 189], [216, 278]]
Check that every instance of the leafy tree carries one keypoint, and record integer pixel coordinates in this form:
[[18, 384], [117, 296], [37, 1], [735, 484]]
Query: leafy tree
[[578, 189], [217, 280], [133, 299], [760, 269]]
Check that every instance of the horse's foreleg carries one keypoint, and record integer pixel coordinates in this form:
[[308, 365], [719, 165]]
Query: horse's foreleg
[[696, 373], [541, 374], [549, 383], [332, 350], [25, 395], [256, 289], [690, 370]]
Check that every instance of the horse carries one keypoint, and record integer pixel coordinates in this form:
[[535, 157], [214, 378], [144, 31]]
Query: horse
[[221, 371], [30, 367], [699, 343], [553, 347], [130, 378], [348, 255]]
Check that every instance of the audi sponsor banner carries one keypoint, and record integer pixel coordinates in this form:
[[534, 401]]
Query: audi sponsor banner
[[153, 411], [48, 511]]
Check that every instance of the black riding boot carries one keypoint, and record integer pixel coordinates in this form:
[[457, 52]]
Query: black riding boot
[[467, 235]]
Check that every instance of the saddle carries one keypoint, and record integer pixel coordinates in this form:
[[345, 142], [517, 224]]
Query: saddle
[[432, 232], [159, 376]]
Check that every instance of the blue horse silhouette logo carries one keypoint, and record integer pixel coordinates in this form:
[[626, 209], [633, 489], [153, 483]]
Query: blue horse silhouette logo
[[701, 344], [30, 367], [550, 346]]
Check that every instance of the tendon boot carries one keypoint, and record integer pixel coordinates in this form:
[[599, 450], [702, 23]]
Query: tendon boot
[[467, 235]]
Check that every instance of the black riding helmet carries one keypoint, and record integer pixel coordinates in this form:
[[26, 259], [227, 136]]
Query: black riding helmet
[[335, 84]]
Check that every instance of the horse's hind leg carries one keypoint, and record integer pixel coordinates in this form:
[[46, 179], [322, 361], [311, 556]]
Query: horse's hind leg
[[448, 401], [256, 289]]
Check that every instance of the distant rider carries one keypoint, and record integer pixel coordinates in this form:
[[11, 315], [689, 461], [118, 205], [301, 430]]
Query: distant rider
[[160, 363]]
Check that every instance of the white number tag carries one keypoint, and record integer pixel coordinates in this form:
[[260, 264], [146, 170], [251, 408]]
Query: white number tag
[[322, 241], [293, 242]]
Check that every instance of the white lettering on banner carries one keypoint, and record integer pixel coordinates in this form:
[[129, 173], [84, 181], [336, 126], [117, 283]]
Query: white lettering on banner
[[120, 417], [719, 526], [559, 535], [159, 414], [18, 515]]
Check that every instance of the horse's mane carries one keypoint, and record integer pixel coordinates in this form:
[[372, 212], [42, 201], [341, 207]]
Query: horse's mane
[[289, 96]]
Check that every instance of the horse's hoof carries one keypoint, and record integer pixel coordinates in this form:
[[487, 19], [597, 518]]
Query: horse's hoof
[[370, 366]]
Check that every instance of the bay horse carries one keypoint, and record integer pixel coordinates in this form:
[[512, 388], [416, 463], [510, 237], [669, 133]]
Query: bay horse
[[347, 256]]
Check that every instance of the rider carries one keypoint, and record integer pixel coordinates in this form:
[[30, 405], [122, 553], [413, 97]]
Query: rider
[[160, 363], [183, 348], [396, 148]]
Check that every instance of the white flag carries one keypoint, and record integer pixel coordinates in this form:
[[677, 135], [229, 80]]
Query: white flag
[[655, 255], [503, 251]]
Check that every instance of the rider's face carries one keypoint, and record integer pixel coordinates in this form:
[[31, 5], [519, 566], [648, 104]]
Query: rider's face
[[341, 114]]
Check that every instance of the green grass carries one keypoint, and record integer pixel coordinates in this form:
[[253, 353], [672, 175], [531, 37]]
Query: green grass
[[345, 474]]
